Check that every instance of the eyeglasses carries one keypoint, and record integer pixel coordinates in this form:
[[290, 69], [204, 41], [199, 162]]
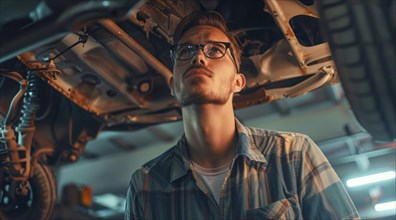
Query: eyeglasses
[[212, 50]]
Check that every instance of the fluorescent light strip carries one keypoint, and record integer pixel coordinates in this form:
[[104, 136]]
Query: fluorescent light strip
[[385, 206], [371, 178]]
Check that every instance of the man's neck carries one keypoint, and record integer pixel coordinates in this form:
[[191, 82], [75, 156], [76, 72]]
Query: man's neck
[[211, 134]]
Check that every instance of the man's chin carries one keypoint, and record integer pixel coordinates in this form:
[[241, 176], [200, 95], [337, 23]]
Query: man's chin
[[192, 81], [201, 100]]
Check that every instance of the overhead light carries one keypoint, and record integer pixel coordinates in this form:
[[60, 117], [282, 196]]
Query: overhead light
[[385, 206], [371, 178]]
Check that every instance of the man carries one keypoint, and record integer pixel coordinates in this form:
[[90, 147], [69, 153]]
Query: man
[[220, 169]]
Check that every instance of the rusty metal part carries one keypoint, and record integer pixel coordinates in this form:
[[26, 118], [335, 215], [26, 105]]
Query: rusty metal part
[[254, 98], [92, 97], [283, 12], [56, 26], [314, 82], [136, 47], [161, 17]]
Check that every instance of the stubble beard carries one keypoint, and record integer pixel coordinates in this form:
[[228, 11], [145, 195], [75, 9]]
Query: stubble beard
[[199, 97]]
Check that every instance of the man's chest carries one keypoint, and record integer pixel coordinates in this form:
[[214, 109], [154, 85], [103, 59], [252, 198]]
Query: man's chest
[[248, 195]]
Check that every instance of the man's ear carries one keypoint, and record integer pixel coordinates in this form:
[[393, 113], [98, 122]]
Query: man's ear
[[240, 82], [171, 85]]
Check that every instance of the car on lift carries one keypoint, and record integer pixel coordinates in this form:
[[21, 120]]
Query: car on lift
[[71, 69]]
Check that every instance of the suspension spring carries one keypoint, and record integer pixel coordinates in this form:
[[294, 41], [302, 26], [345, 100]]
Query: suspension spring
[[30, 103]]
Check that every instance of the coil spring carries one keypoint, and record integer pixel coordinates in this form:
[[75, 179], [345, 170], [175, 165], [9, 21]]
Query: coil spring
[[30, 101]]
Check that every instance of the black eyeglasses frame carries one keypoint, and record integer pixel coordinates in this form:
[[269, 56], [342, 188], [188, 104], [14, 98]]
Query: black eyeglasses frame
[[201, 46]]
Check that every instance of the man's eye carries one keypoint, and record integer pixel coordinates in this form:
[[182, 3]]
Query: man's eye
[[186, 50], [215, 50]]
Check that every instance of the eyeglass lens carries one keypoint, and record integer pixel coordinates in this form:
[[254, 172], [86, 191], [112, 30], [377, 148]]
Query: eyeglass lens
[[213, 50]]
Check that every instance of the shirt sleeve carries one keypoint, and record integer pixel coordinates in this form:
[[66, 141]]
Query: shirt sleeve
[[322, 194], [132, 207]]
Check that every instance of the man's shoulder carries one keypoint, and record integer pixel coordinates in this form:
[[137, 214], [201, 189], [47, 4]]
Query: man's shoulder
[[268, 133], [162, 160], [158, 167], [267, 140]]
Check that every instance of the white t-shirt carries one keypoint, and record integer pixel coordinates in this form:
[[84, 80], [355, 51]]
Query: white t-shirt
[[213, 177]]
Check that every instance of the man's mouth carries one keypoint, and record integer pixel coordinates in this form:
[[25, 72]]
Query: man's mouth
[[197, 71]]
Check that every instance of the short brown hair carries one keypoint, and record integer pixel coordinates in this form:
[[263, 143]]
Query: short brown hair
[[210, 18]]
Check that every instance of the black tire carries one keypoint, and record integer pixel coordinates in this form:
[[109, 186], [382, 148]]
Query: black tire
[[42, 197], [361, 35]]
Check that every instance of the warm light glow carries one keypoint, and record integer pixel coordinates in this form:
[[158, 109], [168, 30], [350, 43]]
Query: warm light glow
[[371, 178], [385, 206]]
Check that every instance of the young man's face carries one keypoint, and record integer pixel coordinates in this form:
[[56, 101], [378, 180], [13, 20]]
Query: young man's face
[[202, 80]]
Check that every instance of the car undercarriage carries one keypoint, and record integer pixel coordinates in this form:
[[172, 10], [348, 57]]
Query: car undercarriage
[[70, 69]]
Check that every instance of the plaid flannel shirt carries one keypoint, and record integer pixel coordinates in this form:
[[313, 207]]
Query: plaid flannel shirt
[[275, 175]]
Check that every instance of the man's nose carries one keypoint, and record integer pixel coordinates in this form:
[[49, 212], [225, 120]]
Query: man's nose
[[199, 57]]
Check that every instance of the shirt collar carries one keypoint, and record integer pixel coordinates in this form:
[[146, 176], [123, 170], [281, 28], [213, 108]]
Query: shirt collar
[[247, 144], [181, 161], [246, 147]]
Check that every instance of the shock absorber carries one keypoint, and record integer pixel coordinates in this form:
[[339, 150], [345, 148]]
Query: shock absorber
[[26, 126], [30, 105]]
